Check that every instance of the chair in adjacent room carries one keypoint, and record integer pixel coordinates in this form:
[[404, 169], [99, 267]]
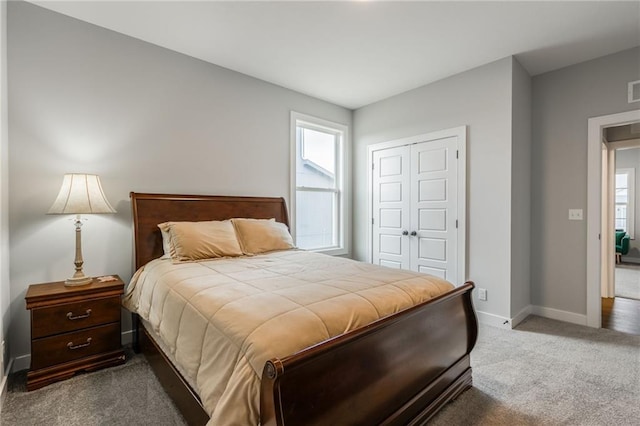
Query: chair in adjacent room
[[622, 244]]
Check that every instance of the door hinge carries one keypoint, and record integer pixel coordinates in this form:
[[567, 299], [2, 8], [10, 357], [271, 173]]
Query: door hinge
[[457, 152], [456, 223], [372, 221], [373, 166]]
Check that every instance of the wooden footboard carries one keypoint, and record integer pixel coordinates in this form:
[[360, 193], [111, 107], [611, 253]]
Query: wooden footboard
[[397, 371]]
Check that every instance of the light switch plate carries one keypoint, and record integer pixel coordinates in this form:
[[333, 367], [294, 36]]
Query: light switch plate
[[482, 293], [575, 214]]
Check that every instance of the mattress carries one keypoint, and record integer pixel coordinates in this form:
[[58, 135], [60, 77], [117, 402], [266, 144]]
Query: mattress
[[220, 320]]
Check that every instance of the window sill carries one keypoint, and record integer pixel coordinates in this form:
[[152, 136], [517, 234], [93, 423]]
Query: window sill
[[332, 251]]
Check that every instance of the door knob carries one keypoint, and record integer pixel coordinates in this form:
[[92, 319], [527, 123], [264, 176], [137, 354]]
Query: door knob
[[414, 233], [405, 232]]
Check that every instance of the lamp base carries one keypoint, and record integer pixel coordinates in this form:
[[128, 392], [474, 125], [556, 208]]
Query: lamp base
[[77, 281]]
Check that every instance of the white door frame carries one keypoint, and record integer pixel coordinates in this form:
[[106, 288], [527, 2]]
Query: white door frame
[[459, 132], [594, 206], [607, 221]]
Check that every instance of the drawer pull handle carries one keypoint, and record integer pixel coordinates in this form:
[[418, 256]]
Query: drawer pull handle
[[71, 346], [77, 317]]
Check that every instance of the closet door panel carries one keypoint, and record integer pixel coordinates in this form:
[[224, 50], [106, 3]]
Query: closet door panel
[[434, 207], [415, 207], [391, 207]]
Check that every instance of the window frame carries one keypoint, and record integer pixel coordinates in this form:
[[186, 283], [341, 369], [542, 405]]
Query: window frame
[[342, 179], [631, 194]]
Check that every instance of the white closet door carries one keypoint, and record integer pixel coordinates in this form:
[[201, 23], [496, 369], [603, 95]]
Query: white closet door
[[434, 186], [391, 207]]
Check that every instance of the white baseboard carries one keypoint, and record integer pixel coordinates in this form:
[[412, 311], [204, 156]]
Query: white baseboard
[[559, 315], [3, 384], [509, 323], [493, 320], [127, 337], [520, 316], [22, 362]]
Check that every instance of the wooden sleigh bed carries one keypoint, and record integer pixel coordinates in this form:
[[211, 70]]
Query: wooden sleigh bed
[[399, 370]]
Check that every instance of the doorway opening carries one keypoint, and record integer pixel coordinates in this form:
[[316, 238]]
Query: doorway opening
[[611, 217], [621, 295]]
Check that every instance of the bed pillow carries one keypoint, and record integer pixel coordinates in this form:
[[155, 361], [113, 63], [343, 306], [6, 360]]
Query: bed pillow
[[201, 240], [262, 235]]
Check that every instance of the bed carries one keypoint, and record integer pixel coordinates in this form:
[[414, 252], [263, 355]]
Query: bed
[[397, 370]]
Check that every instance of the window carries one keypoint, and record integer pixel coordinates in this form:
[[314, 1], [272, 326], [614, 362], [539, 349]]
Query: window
[[318, 201], [625, 196]]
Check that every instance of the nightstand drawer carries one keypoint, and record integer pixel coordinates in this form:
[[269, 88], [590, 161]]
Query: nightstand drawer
[[53, 350], [74, 316]]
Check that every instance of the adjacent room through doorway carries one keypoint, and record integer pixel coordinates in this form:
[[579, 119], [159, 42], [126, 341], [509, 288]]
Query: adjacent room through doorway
[[621, 298], [627, 281]]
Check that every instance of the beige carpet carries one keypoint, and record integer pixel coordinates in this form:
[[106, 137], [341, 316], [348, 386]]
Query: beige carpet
[[548, 372], [128, 394], [544, 372], [628, 281]]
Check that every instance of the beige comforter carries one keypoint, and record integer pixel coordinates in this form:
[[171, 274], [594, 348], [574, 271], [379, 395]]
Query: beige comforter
[[222, 319]]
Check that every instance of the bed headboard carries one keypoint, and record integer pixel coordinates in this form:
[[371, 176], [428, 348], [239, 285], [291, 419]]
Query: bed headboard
[[151, 209]]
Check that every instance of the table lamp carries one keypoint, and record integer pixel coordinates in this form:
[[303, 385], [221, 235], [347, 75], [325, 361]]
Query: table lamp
[[80, 194]]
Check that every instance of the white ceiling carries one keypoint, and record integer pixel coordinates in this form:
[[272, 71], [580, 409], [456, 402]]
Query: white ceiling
[[356, 53]]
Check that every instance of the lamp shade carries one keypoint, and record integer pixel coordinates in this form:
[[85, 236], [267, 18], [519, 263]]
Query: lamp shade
[[81, 194]]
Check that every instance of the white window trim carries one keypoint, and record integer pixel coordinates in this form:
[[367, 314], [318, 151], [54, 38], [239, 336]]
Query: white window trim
[[631, 191], [344, 176]]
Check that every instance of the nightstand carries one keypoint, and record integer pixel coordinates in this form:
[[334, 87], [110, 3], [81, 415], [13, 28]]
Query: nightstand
[[73, 329]]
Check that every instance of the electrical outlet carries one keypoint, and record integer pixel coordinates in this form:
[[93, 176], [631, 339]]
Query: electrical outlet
[[482, 293]]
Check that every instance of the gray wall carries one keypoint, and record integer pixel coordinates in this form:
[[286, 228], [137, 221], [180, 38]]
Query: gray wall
[[520, 189], [630, 159], [5, 295], [85, 99], [481, 99], [563, 101]]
